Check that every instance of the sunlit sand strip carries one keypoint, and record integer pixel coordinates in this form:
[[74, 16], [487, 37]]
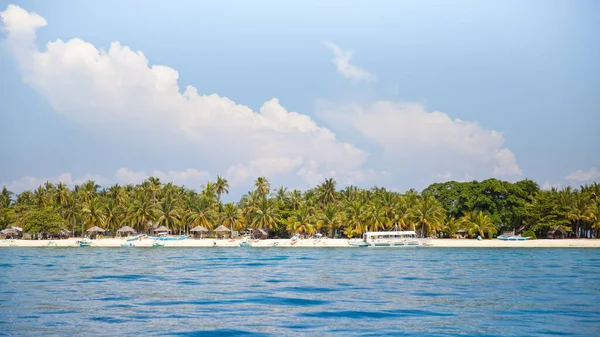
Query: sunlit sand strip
[[306, 243]]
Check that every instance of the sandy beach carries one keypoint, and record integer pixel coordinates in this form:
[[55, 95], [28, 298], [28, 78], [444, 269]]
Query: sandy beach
[[306, 243]]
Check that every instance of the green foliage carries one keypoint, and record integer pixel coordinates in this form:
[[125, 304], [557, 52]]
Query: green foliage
[[40, 220], [482, 208], [529, 233]]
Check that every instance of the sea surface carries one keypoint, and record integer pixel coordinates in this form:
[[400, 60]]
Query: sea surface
[[311, 292]]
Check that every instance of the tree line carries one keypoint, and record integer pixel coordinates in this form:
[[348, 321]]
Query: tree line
[[482, 208]]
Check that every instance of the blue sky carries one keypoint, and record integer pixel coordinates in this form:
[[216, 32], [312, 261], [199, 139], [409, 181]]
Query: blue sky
[[390, 93]]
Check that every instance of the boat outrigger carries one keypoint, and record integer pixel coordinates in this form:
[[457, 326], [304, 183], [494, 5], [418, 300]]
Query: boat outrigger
[[388, 239]]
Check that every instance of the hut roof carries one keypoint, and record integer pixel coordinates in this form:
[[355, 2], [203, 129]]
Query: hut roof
[[198, 229], [96, 229], [461, 231], [262, 231], [9, 231], [222, 229], [126, 229], [557, 229], [162, 229]]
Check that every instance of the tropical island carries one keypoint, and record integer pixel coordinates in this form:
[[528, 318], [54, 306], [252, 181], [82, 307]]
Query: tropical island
[[442, 210]]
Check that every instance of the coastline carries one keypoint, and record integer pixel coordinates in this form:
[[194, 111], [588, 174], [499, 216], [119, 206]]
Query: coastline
[[305, 243]]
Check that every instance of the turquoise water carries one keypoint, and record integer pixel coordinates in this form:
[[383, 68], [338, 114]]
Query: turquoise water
[[313, 292]]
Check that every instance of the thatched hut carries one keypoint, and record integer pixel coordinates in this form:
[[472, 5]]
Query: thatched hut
[[260, 233], [162, 229], [125, 230], [198, 230], [10, 233], [462, 233], [94, 231], [557, 233], [222, 230]]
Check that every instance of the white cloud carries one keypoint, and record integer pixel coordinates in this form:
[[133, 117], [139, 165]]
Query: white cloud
[[341, 60], [118, 91], [418, 142], [190, 178], [581, 176], [31, 183], [262, 167], [548, 186]]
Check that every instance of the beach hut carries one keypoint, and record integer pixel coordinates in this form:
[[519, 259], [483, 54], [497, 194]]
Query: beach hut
[[10, 233], [557, 233], [95, 230], [162, 229], [260, 233], [198, 229], [461, 233], [125, 230], [222, 229]]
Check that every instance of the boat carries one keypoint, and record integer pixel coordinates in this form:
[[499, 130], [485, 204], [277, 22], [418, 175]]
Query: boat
[[245, 243], [85, 242], [128, 244], [136, 237], [510, 236], [158, 244], [168, 238], [388, 239], [275, 244]]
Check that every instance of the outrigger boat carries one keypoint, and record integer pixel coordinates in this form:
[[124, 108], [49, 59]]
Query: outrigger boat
[[168, 238], [137, 237], [158, 244], [128, 244], [245, 243], [387, 239], [510, 236], [85, 242]]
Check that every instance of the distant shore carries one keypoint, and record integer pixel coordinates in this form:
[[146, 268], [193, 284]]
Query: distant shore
[[306, 243]]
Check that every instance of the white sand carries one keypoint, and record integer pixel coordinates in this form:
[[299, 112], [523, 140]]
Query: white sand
[[306, 243]]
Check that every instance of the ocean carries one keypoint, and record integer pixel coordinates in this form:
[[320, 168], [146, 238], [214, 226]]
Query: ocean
[[310, 292]]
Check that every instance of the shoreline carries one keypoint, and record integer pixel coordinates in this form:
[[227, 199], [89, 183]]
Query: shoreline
[[303, 243]]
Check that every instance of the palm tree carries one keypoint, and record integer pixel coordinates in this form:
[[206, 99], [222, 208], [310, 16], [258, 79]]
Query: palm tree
[[168, 214], [5, 197], [266, 214], [71, 211], [93, 213], [428, 214], [330, 218], [593, 216], [355, 215], [375, 218], [326, 192], [231, 217], [142, 212], [479, 223], [262, 184], [221, 187], [113, 216], [301, 221], [200, 214], [577, 210]]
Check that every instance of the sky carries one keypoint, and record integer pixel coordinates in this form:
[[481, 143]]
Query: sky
[[399, 94]]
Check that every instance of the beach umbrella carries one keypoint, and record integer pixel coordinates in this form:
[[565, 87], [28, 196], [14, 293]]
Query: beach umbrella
[[126, 229], [162, 229], [96, 229]]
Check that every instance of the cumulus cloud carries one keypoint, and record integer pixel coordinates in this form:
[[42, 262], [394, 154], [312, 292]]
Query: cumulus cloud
[[341, 60], [421, 142], [581, 176], [117, 90], [191, 178]]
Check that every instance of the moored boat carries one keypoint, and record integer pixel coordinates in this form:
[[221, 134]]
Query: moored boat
[[158, 244], [510, 236], [388, 239], [85, 242], [245, 243], [128, 244]]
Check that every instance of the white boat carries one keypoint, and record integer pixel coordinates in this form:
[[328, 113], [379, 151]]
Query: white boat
[[85, 242], [245, 243], [388, 239], [511, 236]]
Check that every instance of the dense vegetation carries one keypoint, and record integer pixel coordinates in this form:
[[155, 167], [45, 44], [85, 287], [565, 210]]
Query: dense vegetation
[[481, 208]]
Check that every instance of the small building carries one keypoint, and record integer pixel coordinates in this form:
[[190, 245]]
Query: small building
[[557, 233], [461, 234]]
